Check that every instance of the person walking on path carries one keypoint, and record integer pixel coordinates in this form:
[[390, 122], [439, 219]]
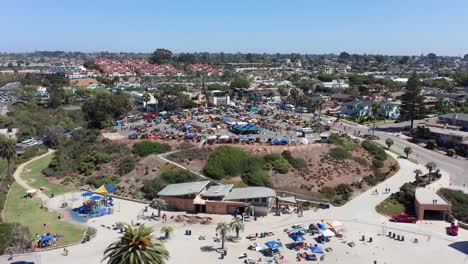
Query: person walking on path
[[65, 251]]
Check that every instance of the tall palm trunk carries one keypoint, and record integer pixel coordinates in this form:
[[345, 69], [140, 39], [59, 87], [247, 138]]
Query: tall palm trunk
[[222, 240], [373, 127], [9, 169]]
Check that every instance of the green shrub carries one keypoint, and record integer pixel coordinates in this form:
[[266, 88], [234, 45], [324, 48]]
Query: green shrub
[[328, 192], [297, 163], [339, 153], [99, 180], [152, 187], [451, 152], [146, 147], [281, 166], [179, 176], [431, 144], [342, 141], [344, 190], [225, 161], [9, 232], [362, 161], [256, 177], [87, 168], [377, 151], [377, 163], [127, 165], [459, 202]]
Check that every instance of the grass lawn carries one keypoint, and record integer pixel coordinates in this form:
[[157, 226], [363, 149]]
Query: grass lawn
[[28, 213], [33, 176], [389, 207]]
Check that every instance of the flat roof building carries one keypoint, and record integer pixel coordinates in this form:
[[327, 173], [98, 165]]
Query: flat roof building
[[199, 197], [430, 205]]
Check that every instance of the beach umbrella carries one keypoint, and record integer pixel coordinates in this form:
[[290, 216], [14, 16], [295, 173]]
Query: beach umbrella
[[316, 249], [87, 194]]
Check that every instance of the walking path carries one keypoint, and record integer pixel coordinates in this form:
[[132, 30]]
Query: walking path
[[19, 170]]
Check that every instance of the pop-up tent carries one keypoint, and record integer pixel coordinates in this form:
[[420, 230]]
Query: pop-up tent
[[335, 225], [326, 233], [297, 238], [274, 245]]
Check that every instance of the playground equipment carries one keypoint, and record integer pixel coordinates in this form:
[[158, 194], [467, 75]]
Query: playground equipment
[[97, 205]]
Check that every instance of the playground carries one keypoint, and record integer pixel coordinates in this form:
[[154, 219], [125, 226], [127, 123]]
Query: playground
[[96, 203]]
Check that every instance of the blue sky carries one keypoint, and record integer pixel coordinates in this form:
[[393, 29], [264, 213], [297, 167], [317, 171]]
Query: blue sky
[[397, 27]]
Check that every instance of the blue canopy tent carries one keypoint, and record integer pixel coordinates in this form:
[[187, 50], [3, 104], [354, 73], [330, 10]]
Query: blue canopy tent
[[297, 238], [251, 137], [46, 239], [87, 194], [274, 245], [188, 126], [190, 136], [277, 141], [316, 249]]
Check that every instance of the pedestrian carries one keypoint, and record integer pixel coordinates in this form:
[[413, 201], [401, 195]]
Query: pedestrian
[[65, 251]]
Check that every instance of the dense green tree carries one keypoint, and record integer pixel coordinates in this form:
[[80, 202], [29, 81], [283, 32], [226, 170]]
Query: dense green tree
[[412, 102], [160, 56], [103, 107], [239, 83]]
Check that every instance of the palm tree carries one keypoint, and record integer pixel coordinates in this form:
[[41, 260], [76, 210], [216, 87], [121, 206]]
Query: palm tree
[[294, 95], [223, 228], [418, 172], [389, 142], [320, 102], [407, 151], [375, 111], [167, 230], [431, 166], [136, 246], [248, 209], [237, 225], [157, 95], [146, 99], [7, 151], [158, 204]]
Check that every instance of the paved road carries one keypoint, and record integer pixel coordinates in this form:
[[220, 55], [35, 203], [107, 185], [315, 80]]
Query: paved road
[[456, 168]]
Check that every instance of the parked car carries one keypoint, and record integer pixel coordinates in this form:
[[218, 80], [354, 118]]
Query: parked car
[[404, 218]]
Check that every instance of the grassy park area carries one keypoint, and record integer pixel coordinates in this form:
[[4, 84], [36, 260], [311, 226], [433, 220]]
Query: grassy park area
[[33, 176], [390, 207], [28, 213]]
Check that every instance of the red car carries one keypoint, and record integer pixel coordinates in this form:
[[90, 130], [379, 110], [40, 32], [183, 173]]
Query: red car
[[405, 218]]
